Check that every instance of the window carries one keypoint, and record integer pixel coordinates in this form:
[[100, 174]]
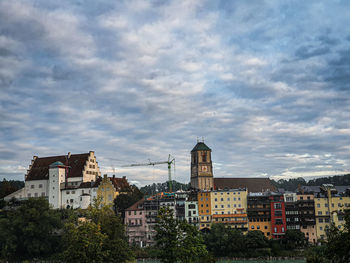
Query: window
[[258, 227], [319, 213], [40, 186], [321, 228], [326, 205], [228, 199], [265, 227], [252, 227], [32, 186], [216, 206], [278, 221], [222, 199], [29, 195], [73, 192], [320, 220], [318, 205], [278, 213], [42, 194], [277, 206], [216, 199], [67, 192], [36, 194], [275, 229]]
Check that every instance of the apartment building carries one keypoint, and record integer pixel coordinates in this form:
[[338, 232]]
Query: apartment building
[[230, 208], [306, 206], [204, 209], [278, 215], [259, 213]]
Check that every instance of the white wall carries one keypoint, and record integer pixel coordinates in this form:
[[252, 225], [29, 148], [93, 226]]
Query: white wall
[[56, 177], [36, 188]]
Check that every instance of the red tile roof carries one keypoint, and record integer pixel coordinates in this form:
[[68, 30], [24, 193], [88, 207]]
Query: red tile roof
[[119, 183], [40, 167], [252, 184], [138, 206]]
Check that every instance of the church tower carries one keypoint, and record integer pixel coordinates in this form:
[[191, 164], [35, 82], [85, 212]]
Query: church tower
[[201, 167]]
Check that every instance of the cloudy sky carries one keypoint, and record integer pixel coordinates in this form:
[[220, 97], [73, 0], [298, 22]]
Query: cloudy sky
[[266, 83]]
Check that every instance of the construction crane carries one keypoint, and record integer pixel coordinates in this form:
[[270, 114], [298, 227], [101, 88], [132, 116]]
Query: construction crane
[[171, 160]]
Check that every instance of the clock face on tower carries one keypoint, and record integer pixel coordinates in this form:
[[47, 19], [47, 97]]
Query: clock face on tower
[[205, 168]]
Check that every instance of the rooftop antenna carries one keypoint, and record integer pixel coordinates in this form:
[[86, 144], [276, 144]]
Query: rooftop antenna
[[202, 139], [197, 139]]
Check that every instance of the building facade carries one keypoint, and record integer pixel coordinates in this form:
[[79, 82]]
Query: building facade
[[278, 215], [201, 167], [259, 213]]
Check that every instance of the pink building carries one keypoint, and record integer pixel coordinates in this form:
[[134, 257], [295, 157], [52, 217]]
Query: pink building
[[135, 221]]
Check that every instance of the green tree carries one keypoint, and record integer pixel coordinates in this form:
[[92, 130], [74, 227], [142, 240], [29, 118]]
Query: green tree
[[8, 187], [103, 232], [222, 241], [178, 241], [338, 241], [256, 239], [83, 243], [294, 239], [29, 230]]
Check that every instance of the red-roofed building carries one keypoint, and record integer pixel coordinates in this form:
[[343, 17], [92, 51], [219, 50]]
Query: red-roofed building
[[66, 180]]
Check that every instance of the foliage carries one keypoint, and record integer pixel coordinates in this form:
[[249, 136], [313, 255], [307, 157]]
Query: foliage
[[177, 240], [84, 242], [8, 187], [222, 241], [294, 239], [338, 241], [293, 184], [29, 230], [315, 254], [127, 199], [163, 187], [101, 232]]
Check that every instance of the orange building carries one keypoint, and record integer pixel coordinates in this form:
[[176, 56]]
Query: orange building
[[204, 209]]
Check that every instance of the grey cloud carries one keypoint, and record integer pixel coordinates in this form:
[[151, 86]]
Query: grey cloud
[[305, 52]]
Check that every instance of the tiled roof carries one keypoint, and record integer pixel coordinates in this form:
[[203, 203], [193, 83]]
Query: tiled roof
[[252, 184], [119, 183], [135, 207], [201, 146], [40, 167]]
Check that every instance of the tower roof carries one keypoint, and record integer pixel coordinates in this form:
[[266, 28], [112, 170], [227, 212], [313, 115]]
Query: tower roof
[[201, 146], [55, 164]]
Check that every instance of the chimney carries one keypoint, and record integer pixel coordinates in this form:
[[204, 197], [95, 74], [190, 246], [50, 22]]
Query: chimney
[[113, 176], [68, 155]]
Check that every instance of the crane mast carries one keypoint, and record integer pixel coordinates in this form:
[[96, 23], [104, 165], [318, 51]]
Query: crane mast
[[171, 160]]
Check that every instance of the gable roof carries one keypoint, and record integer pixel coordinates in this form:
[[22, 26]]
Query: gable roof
[[40, 167], [119, 183], [201, 146], [138, 206], [252, 184]]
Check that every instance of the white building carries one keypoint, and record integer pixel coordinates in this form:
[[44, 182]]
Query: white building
[[68, 181]]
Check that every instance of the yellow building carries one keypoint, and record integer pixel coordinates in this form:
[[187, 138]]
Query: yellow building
[[329, 209], [110, 187], [230, 207], [204, 209]]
